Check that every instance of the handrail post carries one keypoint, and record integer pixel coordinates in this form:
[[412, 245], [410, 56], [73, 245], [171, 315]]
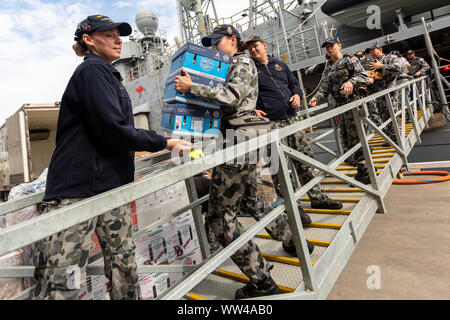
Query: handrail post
[[367, 153], [294, 220]]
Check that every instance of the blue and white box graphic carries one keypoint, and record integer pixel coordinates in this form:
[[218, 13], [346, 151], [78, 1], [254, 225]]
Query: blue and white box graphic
[[191, 120]]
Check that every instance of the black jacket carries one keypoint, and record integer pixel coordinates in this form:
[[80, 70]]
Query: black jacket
[[277, 85], [96, 137]]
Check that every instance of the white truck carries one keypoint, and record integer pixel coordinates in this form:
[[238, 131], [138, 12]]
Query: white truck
[[27, 142]]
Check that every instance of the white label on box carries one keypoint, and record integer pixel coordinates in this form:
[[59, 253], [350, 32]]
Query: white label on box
[[152, 286], [197, 124], [178, 122], [154, 248]]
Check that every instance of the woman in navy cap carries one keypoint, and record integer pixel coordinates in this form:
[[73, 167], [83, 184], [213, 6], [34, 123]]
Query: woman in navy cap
[[233, 186], [95, 144]]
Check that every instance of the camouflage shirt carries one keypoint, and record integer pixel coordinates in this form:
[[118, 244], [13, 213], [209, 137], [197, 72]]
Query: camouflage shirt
[[345, 69], [394, 71], [418, 65], [239, 94]]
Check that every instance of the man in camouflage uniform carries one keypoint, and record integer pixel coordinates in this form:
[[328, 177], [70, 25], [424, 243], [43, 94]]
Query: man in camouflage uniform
[[62, 258], [279, 99], [233, 185], [394, 71], [345, 75], [419, 67], [372, 107]]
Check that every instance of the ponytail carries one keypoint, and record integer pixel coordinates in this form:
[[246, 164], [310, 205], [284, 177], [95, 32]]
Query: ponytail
[[80, 48], [242, 46]]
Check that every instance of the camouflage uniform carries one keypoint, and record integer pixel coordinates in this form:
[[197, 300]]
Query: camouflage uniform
[[418, 64], [228, 193], [345, 69], [393, 70], [61, 259], [299, 142], [372, 107]]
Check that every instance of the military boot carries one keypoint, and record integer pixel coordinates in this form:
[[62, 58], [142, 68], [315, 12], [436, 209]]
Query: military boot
[[327, 203], [306, 219], [362, 175], [289, 247], [265, 287]]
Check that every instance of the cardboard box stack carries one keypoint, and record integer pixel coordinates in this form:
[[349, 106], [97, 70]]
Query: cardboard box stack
[[10, 287], [175, 242], [183, 114]]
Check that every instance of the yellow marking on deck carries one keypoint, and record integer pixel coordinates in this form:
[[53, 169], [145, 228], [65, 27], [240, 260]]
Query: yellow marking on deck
[[349, 190], [318, 243], [327, 211], [324, 225], [245, 279], [344, 200], [195, 297], [284, 260], [384, 151]]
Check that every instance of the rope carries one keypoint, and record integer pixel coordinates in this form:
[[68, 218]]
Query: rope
[[317, 88]]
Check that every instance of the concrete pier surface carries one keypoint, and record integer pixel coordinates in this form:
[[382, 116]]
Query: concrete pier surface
[[404, 254]]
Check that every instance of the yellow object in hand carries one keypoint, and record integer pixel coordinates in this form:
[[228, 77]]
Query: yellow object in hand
[[197, 154]]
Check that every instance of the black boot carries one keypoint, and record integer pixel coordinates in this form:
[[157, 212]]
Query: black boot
[[327, 203], [306, 219], [290, 247], [263, 288], [362, 175]]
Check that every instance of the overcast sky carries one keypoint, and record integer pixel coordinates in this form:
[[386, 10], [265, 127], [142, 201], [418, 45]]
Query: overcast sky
[[36, 55]]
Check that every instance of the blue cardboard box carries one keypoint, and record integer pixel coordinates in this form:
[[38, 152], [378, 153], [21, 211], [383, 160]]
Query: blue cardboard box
[[202, 60], [190, 120], [173, 96]]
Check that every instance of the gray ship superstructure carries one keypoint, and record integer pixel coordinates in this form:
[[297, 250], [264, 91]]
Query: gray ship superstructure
[[294, 32], [144, 65]]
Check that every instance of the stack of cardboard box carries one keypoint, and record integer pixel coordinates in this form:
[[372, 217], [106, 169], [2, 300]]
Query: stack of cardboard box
[[183, 114]]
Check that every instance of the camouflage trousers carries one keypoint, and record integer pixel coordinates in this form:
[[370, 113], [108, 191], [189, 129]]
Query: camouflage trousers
[[385, 115], [299, 142], [374, 112], [349, 135], [61, 259], [233, 189]]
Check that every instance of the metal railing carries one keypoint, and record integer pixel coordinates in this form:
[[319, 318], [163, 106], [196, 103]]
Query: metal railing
[[317, 279]]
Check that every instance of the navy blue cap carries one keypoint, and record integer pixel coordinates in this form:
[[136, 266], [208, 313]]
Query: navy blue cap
[[395, 52], [101, 23], [330, 40], [410, 52], [255, 39], [218, 33], [375, 45]]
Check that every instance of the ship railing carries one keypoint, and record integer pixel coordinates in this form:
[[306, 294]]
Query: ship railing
[[258, 14], [318, 279], [302, 44]]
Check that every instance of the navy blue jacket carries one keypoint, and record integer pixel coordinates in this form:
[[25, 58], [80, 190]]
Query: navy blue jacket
[[96, 137], [277, 85]]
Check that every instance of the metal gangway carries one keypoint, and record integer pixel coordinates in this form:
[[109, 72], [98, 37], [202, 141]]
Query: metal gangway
[[335, 233]]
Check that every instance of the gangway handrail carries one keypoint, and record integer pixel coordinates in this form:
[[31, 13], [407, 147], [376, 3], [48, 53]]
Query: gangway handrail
[[28, 232], [11, 206]]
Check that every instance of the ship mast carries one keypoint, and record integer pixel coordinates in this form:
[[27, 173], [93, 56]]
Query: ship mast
[[195, 19]]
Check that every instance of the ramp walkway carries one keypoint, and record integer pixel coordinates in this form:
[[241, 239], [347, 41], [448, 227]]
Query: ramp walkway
[[334, 233]]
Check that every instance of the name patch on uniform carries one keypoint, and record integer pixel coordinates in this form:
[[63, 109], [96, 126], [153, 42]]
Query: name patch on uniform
[[278, 67]]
